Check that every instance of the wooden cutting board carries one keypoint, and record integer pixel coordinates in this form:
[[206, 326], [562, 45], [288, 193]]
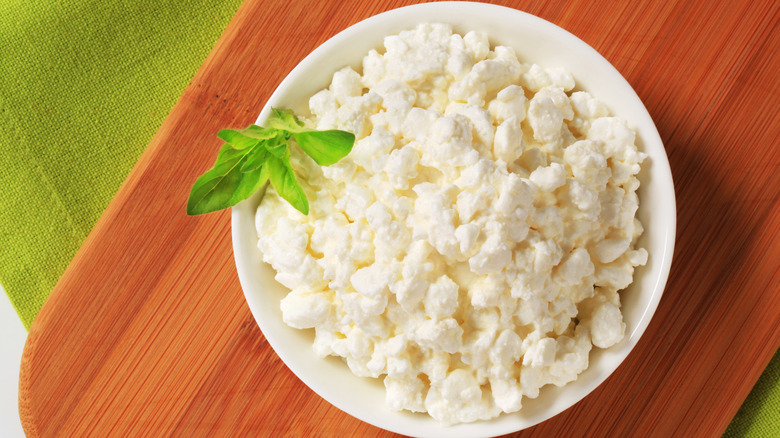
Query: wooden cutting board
[[147, 333]]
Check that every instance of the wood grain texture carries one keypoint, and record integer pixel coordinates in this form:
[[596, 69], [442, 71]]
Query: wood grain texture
[[147, 333]]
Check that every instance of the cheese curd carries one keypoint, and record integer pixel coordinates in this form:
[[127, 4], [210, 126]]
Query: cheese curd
[[471, 247]]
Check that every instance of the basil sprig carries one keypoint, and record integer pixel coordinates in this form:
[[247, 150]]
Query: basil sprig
[[250, 157]]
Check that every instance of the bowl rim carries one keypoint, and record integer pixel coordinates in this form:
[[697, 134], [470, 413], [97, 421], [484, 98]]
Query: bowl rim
[[660, 178]]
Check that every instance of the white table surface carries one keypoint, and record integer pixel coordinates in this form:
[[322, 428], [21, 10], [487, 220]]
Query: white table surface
[[12, 337]]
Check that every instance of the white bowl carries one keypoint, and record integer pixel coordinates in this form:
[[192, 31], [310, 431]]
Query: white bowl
[[535, 41]]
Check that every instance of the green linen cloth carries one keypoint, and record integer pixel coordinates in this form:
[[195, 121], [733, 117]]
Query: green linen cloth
[[84, 85], [759, 416]]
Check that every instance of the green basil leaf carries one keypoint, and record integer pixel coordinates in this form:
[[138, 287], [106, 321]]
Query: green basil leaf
[[277, 146], [283, 180], [259, 132], [325, 147], [255, 160], [237, 140], [255, 155], [246, 138], [284, 120], [249, 184], [224, 185]]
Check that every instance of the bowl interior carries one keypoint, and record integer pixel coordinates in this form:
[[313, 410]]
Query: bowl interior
[[535, 41]]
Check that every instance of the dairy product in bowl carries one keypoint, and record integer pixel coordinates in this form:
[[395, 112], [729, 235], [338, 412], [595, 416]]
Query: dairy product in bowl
[[471, 247]]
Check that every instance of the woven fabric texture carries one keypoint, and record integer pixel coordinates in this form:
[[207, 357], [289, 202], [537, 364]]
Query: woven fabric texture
[[759, 416], [84, 85]]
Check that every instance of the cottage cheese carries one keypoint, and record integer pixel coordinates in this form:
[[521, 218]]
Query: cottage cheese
[[471, 248]]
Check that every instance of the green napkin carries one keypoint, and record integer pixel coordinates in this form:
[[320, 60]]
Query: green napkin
[[759, 416], [84, 85]]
